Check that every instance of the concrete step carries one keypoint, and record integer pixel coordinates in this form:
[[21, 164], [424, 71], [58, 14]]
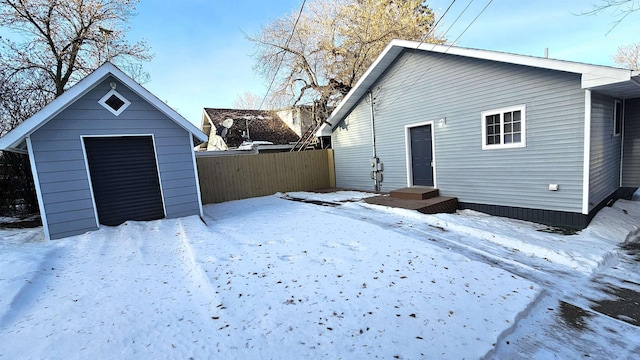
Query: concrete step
[[415, 193], [434, 205]]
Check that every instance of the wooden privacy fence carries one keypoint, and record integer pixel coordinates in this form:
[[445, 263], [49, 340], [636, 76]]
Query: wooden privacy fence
[[224, 178]]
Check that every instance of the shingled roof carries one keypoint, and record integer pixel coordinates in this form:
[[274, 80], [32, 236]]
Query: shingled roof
[[263, 126]]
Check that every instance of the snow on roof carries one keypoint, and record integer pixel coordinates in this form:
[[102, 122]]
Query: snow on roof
[[264, 125]]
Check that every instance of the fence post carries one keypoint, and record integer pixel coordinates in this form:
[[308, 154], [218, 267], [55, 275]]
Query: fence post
[[332, 169]]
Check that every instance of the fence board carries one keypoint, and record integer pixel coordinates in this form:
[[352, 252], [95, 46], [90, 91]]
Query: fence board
[[225, 178]]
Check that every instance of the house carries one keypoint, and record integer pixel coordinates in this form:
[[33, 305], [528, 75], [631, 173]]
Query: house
[[107, 151], [530, 138], [262, 125], [298, 118]]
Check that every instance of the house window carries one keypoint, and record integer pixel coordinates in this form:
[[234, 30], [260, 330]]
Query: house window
[[114, 102], [503, 128], [618, 113]]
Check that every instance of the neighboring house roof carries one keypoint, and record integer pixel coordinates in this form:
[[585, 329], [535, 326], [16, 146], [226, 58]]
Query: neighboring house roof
[[620, 83], [263, 125], [14, 140]]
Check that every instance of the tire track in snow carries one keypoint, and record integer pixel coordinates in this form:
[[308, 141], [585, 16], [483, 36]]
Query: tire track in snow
[[128, 291], [198, 279], [574, 281], [40, 279]]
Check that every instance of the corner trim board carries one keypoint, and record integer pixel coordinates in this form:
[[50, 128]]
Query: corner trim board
[[195, 171], [36, 180], [587, 152]]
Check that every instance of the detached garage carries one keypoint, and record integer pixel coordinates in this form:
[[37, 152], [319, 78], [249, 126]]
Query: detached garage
[[107, 151]]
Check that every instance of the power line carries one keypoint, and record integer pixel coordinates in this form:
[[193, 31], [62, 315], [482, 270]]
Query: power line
[[423, 40], [473, 21], [436, 24], [438, 56], [275, 74], [459, 16]]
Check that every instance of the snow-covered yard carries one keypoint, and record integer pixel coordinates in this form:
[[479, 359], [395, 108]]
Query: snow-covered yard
[[270, 278]]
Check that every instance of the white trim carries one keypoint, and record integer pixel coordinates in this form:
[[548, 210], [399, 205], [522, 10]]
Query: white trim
[[86, 167], [615, 116], [587, 152], [206, 121], [523, 127], [122, 108], [407, 146], [622, 145], [591, 75], [155, 154], [86, 162], [195, 172], [12, 140], [36, 181]]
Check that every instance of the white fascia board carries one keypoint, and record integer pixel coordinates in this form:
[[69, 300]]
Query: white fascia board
[[157, 103], [12, 139], [361, 87], [325, 130], [592, 75], [527, 60], [604, 77]]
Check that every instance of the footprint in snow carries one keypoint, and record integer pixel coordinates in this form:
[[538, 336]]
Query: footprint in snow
[[287, 257], [356, 246]]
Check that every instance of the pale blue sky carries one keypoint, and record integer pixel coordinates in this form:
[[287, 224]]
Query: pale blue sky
[[203, 60]]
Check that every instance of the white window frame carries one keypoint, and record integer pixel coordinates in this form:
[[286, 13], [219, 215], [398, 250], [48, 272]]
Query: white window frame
[[113, 92], [616, 131], [501, 112]]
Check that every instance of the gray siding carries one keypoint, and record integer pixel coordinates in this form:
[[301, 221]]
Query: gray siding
[[353, 150], [604, 168], [422, 87], [57, 150], [631, 153]]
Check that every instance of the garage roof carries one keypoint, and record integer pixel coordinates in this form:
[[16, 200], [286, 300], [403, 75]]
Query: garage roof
[[15, 139]]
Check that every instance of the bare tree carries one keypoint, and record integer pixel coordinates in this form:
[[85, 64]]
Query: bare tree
[[620, 9], [49, 46], [247, 101], [628, 56], [61, 40], [17, 102], [333, 44]]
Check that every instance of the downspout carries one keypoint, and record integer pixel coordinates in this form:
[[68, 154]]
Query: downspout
[[374, 160]]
